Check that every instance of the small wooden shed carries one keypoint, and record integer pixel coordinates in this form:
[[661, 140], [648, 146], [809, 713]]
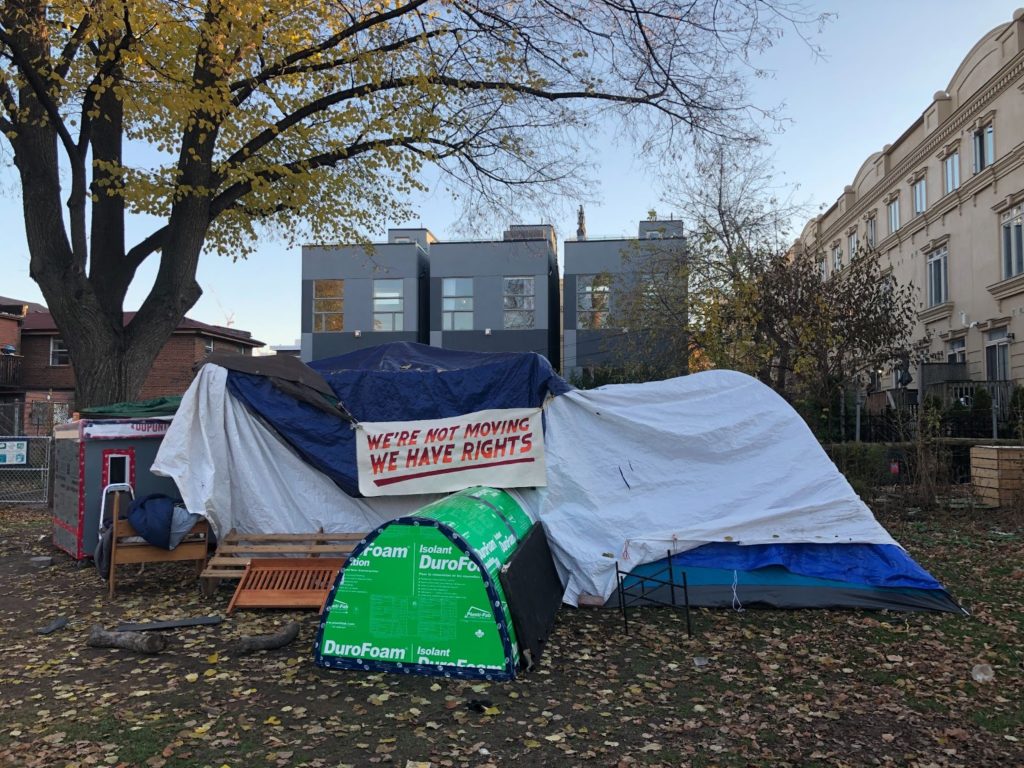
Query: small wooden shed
[[997, 474]]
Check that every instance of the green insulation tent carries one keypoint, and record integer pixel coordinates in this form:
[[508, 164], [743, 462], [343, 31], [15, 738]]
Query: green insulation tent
[[421, 594]]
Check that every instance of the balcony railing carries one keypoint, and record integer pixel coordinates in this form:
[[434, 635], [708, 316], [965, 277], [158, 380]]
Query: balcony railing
[[964, 394], [10, 370], [935, 373]]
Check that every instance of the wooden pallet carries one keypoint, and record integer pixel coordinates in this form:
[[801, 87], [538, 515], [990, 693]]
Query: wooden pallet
[[286, 582], [236, 550]]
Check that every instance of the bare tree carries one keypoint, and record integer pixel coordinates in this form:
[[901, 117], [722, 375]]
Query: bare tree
[[737, 205], [736, 213]]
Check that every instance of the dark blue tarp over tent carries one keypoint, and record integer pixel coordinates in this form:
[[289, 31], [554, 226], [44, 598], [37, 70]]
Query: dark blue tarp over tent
[[794, 576], [394, 382]]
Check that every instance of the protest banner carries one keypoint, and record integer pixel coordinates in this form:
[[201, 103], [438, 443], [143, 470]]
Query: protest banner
[[503, 448]]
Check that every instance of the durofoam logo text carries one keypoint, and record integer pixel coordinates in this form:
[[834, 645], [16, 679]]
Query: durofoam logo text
[[428, 563], [364, 651], [390, 553]]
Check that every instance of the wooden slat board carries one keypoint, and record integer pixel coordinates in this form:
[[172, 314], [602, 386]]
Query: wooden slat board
[[303, 549], [286, 582], [235, 537], [236, 550]]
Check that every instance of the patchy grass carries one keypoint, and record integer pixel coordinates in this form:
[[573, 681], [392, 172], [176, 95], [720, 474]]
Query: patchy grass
[[781, 688]]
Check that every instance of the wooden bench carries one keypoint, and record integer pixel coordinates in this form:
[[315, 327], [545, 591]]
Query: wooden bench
[[236, 550], [127, 547], [286, 582]]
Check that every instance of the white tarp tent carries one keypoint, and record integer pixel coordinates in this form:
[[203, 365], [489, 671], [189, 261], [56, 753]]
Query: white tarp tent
[[633, 471]]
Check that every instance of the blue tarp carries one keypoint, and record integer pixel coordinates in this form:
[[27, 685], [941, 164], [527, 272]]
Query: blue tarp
[[395, 382], [875, 565]]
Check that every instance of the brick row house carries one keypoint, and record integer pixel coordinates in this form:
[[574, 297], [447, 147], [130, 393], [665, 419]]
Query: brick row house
[[37, 377]]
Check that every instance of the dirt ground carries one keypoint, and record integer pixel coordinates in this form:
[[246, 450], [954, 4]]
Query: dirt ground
[[768, 688]]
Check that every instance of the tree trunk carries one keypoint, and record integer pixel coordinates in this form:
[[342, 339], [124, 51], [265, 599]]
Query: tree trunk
[[110, 360], [106, 372]]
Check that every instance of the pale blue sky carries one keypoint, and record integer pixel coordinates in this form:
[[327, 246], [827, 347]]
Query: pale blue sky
[[884, 60]]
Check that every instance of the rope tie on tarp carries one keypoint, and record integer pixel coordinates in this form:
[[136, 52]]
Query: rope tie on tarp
[[736, 604]]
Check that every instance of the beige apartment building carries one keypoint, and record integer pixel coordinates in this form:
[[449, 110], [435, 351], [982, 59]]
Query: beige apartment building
[[943, 207]]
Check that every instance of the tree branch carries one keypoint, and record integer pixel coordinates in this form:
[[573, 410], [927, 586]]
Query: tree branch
[[146, 248], [9, 102], [31, 76], [247, 86], [268, 135], [398, 45], [67, 56], [103, 72], [230, 196]]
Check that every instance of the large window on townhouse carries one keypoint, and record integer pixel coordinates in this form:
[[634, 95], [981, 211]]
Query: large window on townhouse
[[1013, 241], [852, 243], [871, 232], [59, 355], [388, 305], [822, 269], [592, 300], [328, 306], [920, 197], [837, 258], [997, 354], [938, 286], [457, 304], [951, 170], [518, 299], [983, 141], [956, 350], [893, 209]]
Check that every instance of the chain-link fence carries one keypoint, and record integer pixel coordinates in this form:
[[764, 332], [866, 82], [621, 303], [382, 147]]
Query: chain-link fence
[[25, 469], [26, 449]]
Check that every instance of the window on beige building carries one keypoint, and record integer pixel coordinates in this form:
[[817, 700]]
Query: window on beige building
[[852, 243], [328, 306], [984, 142], [920, 197], [837, 258], [893, 209], [997, 355], [956, 350], [388, 305], [822, 268], [870, 232], [1013, 242], [938, 288], [951, 169]]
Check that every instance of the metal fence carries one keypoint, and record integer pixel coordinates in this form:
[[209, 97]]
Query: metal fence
[[33, 419], [25, 469]]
